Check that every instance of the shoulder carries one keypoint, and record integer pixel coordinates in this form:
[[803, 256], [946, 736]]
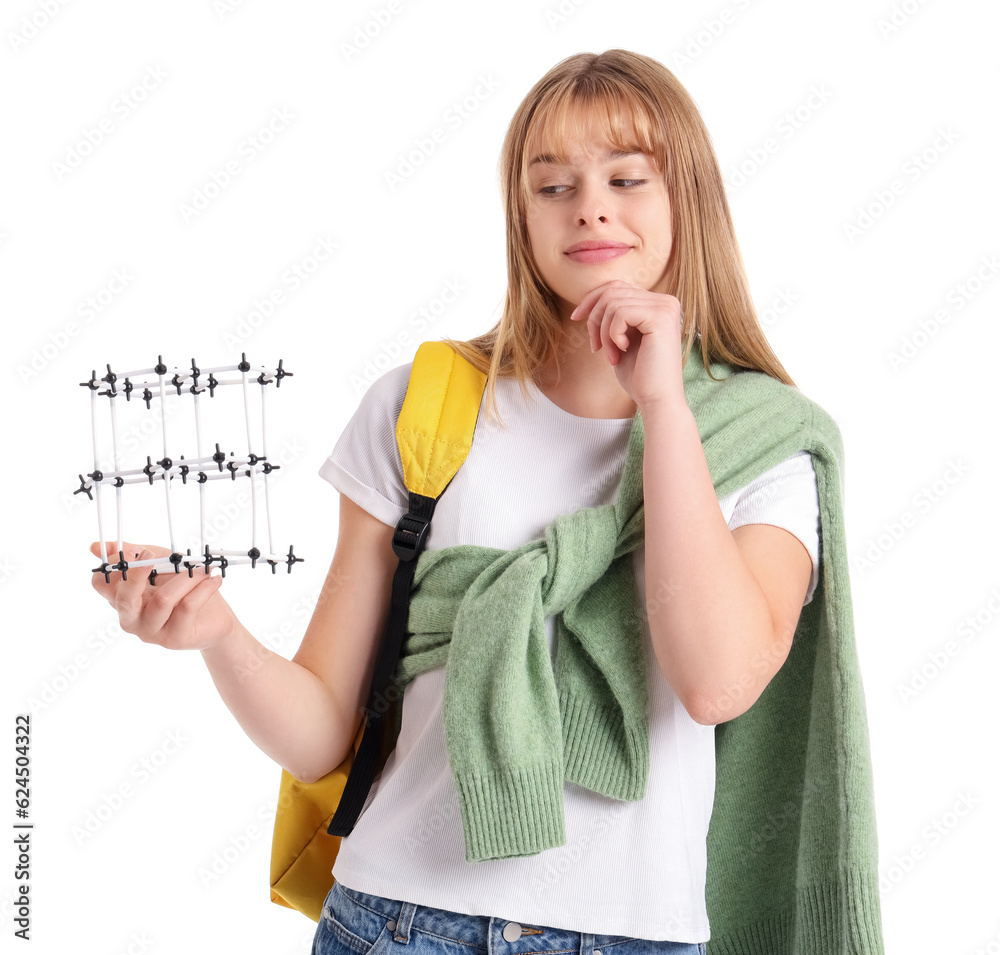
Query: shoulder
[[386, 393], [372, 423], [365, 464], [749, 421], [786, 486], [798, 411]]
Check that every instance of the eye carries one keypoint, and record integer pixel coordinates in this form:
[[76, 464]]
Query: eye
[[623, 183]]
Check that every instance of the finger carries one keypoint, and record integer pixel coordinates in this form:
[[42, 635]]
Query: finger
[[604, 313], [111, 547], [592, 306], [614, 295], [107, 586], [185, 614], [595, 311], [128, 552], [130, 594], [616, 311], [586, 303], [618, 329], [161, 601]]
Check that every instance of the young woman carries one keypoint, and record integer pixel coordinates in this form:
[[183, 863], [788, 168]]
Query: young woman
[[622, 263]]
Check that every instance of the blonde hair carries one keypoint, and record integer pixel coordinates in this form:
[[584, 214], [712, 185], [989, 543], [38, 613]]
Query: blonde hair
[[705, 270]]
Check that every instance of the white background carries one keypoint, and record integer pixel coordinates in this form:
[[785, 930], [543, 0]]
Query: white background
[[913, 102]]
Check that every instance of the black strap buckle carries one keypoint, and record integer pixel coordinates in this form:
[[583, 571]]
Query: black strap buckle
[[411, 532]]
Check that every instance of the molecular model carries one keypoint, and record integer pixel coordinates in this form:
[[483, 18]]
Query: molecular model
[[157, 385]]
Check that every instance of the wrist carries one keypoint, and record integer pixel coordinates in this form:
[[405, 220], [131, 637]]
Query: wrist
[[229, 638], [668, 406]]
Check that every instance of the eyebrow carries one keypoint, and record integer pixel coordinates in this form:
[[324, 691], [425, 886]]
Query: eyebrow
[[606, 156]]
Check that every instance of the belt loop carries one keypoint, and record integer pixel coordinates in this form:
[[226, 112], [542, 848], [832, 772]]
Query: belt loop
[[403, 923]]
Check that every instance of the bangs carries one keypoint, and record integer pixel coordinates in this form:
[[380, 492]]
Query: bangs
[[615, 114]]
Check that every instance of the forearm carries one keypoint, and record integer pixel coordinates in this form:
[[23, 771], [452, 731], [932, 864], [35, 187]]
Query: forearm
[[708, 617], [285, 708]]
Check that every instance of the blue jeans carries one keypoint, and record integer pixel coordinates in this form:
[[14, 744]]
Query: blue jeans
[[356, 923]]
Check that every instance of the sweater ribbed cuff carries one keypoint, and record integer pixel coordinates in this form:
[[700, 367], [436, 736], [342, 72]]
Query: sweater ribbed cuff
[[515, 812], [830, 919], [601, 752]]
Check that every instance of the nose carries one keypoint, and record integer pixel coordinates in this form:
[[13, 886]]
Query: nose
[[593, 203]]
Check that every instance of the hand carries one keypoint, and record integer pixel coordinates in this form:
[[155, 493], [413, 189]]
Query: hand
[[179, 612], [641, 331]]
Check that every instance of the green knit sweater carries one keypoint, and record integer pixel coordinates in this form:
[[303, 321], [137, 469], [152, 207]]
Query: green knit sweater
[[792, 846]]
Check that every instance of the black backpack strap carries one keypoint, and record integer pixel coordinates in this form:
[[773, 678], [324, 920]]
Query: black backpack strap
[[434, 432], [377, 743]]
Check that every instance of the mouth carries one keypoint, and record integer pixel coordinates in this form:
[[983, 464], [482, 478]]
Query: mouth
[[591, 244], [597, 251]]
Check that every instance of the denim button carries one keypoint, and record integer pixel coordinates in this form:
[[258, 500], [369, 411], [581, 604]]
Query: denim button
[[512, 931], [597, 951], [391, 925]]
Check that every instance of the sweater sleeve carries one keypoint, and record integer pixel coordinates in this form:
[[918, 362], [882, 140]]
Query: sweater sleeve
[[365, 464], [786, 496]]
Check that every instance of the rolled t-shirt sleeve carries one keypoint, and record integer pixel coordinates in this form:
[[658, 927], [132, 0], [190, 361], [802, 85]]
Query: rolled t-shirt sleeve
[[786, 496], [365, 464]]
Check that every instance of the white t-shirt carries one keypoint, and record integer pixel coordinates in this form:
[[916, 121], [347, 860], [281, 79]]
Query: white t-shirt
[[628, 868]]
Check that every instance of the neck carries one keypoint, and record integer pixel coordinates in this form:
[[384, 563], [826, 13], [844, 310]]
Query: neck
[[585, 383]]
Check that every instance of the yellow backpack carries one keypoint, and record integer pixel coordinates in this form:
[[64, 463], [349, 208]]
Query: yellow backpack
[[434, 432]]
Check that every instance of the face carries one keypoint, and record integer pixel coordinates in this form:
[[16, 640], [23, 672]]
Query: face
[[617, 204]]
